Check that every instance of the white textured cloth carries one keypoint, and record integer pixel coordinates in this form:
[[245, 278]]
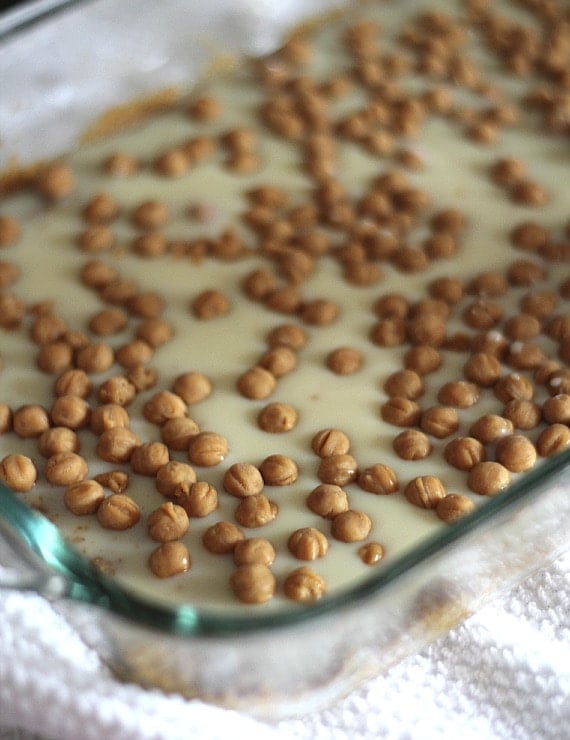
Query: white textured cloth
[[505, 673]]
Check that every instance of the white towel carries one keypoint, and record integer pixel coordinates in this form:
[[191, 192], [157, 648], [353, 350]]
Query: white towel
[[504, 673]]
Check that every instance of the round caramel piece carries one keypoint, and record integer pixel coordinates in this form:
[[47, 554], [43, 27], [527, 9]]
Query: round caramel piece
[[304, 585], [488, 478], [330, 441], [338, 469], [277, 418], [425, 491], [454, 506], [169, 559], [516, 452], [351, 526], [379, 479]]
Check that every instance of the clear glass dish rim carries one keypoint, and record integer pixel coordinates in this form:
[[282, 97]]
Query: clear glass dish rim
[[30, 13], [87, 584]]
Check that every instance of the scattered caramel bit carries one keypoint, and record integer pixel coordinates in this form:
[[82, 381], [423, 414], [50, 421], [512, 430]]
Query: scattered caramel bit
[[327, 442], [308, 543], [222, 537], [162, 406], [55, 182], [150, 214], [65, 468], [411, 444], [454, 506], [84, 497], [192, 387], [210, 304], [256, 383], [255, 511], [242, 480], [118, 512], [101, 208], [304, 585], [30, 421], [402, 412], [553, 439], [208, 449], [254, 550], [107, 416], [405, 384], [440, 421], [327, 500], [9, 231], [371, 553], [167, 523], [253, 583], [516, 452], [117, 481], [169, 559], [425, 491], [18, 472], [116, 445], [488, 478], [338, 469], [378, 479], [523, 414], [351, 526], [277, 418], [344, 360], [198, 499], [529, 193], [278, 470], [205, 109], [422, 359], [121, 164], [149, 457], [556, 409], [289, 335], [464, 453]]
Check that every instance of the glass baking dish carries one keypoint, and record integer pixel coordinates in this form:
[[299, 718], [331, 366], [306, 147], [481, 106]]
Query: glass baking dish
[[276, 664]]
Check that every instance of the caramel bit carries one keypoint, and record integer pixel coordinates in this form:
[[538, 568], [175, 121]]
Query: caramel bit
[[167, 523], [464, 453], [425, 491], [205, 109], [529, 193], [118, 512], [210, 304], [222, 537], [208, 449], [18, 472], [255, 511], [55, 182], [121, 164], [304, 585], [454, 506], [9, 231], [278, 470], [379, 479], [169, 559], [412, 444], [488, 478], [351, 526], [253, 583], [277, 418], [256, 383], [344, 360], [308, 543], [254, 550]]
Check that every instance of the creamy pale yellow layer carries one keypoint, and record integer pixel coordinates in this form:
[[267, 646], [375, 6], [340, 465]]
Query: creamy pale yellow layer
[[455, 175]]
